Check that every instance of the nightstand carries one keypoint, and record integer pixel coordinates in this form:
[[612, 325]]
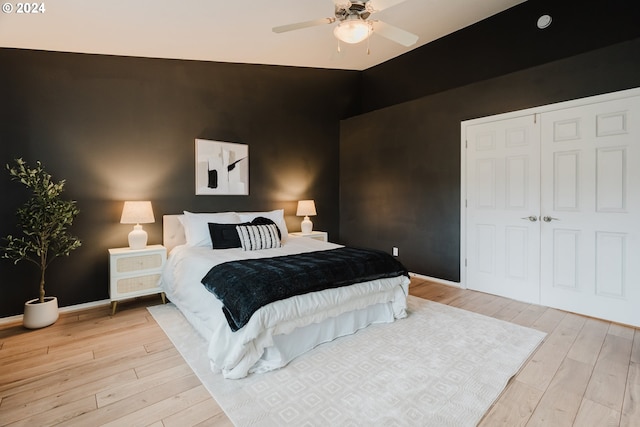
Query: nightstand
[[135, 272], [317, 235]]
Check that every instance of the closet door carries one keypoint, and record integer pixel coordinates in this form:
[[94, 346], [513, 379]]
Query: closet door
[[590, 209], [502, 204]]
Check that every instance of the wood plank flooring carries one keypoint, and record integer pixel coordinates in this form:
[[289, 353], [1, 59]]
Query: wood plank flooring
[[91, 368]]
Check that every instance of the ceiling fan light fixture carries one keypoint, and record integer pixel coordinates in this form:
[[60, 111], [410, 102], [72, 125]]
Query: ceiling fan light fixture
[[352, 31]]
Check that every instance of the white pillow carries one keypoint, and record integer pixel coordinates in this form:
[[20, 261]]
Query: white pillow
[[196, 226], [256, 237], [276, 216]]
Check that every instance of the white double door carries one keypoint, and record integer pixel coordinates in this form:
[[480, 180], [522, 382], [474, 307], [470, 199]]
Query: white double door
[[552, 211]]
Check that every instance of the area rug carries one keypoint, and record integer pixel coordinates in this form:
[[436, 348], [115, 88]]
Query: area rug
[[441, 366]]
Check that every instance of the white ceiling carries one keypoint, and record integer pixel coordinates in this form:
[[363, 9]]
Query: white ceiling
[[230, 30]]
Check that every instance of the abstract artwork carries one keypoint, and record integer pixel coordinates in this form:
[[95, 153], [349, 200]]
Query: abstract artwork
[[222, 168]]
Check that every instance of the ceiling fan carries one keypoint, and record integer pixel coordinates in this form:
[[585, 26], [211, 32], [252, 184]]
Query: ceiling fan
[[354, 24]]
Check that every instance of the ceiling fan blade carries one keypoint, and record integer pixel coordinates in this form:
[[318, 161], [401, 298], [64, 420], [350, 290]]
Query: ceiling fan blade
[[305, 24], [394, 34], [378, 5]]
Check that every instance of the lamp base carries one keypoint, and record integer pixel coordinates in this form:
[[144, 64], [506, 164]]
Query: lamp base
[[306, 226], [137, 237]]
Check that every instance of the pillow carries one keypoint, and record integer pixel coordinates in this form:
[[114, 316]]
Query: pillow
[[255, 237], [225, 236], [196, 226], [276, 216], [260, 220]]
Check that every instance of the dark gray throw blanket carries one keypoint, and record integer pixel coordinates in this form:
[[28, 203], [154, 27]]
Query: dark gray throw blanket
[[246, 285]]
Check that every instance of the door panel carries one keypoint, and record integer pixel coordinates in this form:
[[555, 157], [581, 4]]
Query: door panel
[[590, 187], [566, 248], [503, 181], [566, 191], [611, 179], [610, 264], [517, 182], [516, 250]]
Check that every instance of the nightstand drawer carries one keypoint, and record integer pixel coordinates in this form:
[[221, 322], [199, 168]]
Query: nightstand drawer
[[317, 235], [127, 285], [127, 264]]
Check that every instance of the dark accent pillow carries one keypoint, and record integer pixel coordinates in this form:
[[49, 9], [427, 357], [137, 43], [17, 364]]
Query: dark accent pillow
[[260, 220], [225, 236]]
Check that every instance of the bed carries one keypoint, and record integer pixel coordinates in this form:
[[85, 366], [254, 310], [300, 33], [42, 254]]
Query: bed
[[281, 330]]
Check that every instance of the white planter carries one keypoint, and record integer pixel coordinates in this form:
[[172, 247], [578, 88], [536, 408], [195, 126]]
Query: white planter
[[38, 315]]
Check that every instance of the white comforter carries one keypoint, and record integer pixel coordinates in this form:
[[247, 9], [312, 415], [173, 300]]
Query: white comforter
[[235, 353]]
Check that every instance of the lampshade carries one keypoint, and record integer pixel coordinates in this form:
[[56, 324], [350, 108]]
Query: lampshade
[[306, 208], [352, 30], [137, 213]]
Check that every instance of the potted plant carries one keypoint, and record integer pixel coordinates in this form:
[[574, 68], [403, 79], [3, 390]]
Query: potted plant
[[44, 220]]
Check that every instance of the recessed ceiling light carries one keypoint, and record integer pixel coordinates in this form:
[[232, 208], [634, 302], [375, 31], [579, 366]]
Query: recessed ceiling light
[[544, 21]]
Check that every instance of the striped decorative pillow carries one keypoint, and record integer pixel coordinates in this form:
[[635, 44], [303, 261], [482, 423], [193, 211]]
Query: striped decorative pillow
[[254, 237]]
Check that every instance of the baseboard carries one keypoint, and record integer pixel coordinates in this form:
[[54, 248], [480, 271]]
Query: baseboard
[[11, 319], [84, 306], [67, 309], [93, 304], [436, 280]]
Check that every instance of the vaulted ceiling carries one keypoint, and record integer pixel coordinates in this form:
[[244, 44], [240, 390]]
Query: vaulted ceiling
[[230, 30]]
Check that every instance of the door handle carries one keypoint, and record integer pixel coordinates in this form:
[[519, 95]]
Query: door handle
[[549, 219], [531, 218]]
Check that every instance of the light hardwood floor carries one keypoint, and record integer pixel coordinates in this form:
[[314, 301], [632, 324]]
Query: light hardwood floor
[[91, 368]]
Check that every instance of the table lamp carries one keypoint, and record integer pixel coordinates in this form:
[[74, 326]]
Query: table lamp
[[306, 208], [137, 213]]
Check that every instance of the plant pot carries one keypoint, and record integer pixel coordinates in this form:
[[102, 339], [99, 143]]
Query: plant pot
[[38, 315]]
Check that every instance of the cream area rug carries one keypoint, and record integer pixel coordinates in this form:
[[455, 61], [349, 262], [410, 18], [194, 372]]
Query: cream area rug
[[440, 366]]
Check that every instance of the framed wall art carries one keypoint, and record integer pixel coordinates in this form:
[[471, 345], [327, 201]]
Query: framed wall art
[[222, 168]]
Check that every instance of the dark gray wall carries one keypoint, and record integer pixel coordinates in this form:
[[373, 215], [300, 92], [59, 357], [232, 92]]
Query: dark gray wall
[[400, 161], [400, 166], [124, 128], [121, 128], [504, 43]]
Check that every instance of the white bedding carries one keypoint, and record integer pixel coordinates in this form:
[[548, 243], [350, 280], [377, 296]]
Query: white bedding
[[306, 320]]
